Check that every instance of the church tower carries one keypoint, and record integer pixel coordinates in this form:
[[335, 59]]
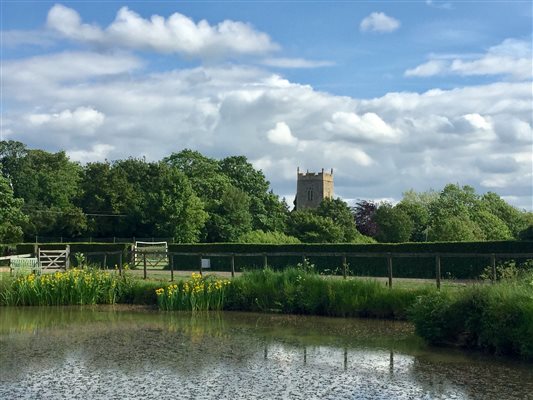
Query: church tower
[[312, 188]]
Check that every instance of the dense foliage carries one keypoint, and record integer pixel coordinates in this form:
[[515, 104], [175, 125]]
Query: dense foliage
[[189, 198], [497, 318], [454, 214]]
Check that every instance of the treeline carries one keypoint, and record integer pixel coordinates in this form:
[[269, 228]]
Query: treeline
[[193, 198], [454, 214]]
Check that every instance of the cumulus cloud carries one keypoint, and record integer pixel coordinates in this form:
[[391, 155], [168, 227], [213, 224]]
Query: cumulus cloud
[[281, 135], [97, 152], [296, 63], [379, 22], [511, 58], [83, 120], [175, 34], [378, 147], [368, 127]]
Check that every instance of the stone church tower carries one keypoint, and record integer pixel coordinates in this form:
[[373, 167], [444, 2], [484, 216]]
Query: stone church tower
[[312, 188]]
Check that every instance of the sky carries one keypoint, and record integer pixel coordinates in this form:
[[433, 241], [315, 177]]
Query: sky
[[393, 95]]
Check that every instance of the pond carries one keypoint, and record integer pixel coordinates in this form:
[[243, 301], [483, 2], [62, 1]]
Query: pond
[[129, 353]]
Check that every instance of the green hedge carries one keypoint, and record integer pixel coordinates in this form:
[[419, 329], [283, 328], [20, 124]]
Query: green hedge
[[459, 268]]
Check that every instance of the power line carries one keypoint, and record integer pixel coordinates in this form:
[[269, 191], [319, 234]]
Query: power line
[[72, 212]]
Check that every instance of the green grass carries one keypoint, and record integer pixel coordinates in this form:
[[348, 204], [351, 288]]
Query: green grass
[[299, 292], [496, 318]]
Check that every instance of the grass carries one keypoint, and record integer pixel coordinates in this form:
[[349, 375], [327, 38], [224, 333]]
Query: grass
[[496, 318], [300, 292]]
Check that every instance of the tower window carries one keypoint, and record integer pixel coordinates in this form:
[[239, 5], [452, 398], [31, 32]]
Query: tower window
[[310, 194]]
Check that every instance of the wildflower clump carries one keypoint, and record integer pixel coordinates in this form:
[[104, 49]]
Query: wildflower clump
[[199, 293], [71, 287]]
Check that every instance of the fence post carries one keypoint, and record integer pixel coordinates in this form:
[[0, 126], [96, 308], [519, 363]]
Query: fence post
[[493, 265], [172, 267], [144, 264], [437, 270], [105, 261], [265, 261], [389, 268], [120, 264], [200, 263], [114, 239], [344, 266], [233, 265]]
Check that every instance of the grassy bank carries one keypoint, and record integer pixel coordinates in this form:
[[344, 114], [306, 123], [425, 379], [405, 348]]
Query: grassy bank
[[298, 292], [495, 318]]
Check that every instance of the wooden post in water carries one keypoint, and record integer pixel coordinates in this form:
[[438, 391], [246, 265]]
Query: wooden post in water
[[233, 265], [437, 270], [493, 265], [144, 264], [171, 258], [345, 358], [389, 268], [344, 266]]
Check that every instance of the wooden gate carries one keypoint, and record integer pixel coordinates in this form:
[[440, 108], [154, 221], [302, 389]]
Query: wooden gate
[[54, 259]]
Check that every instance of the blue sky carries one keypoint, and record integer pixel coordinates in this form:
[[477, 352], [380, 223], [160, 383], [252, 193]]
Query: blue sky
[[393, 95]]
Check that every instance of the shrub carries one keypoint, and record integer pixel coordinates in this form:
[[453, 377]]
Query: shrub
[[497, 318]]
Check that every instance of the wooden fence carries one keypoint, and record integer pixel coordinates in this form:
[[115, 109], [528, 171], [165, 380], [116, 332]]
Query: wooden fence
[[492, 257]]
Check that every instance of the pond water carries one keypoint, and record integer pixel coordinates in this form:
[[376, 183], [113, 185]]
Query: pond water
[[122, 353]]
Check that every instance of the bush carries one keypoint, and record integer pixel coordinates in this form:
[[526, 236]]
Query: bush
[[497, 318]]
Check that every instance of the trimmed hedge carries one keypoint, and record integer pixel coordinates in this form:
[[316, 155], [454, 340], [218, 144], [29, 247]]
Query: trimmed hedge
[[459, 268]]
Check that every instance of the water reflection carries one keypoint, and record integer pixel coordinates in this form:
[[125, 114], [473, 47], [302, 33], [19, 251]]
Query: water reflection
[[104, 353]]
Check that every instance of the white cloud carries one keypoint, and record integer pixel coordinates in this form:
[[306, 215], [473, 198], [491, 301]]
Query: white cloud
[[175, 34], [83, 120], [369, 127], [379, 22], [281, 135], [512, 58], [295, 63], [377, 147], [430, 68], [97, 152]]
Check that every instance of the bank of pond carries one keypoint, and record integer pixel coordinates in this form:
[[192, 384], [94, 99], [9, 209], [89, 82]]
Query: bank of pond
[[496, 318]]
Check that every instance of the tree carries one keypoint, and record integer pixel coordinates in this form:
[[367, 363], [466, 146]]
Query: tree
[[394, 225], [363, 213], [309, 227], [454, 229], [232, 218], [339, 212], [11, 215], [49, 185]]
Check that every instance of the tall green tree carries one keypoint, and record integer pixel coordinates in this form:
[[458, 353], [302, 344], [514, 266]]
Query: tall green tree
[[49, 185], [339, 212], [394, 224], [11, 216], [310, 227], [232, 218]]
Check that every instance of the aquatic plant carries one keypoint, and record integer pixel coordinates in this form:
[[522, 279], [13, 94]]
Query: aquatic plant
[[496, 318], [300, 291], [75, 286], [199, 293]]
